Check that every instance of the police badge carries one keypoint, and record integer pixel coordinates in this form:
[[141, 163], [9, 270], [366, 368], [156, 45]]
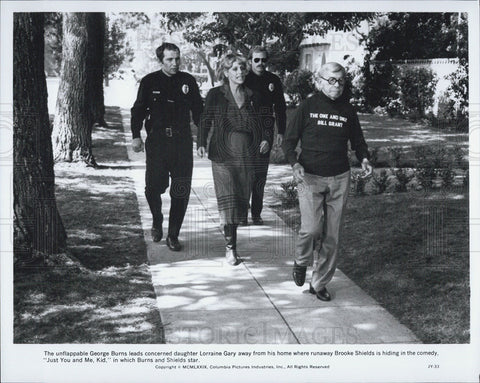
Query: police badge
[[185, 89], [271, 87]]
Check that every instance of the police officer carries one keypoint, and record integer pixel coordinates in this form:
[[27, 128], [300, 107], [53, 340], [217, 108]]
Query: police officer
[[164, 102], [270, 87]]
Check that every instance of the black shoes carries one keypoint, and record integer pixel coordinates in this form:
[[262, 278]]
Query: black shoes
[[157, 234], [299, 273], [255, 221], [322, 294], [173, 243]]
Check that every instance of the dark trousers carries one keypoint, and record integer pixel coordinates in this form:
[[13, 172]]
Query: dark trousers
[[168, 157], [259, 181]]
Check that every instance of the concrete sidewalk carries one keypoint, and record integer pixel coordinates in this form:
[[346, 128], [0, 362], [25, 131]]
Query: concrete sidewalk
[[202, 299]]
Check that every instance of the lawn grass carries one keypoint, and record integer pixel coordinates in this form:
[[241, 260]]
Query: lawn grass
[[100, 291], [410, 252]]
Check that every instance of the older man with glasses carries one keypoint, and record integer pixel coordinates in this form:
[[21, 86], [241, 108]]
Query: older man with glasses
[[324, 123]]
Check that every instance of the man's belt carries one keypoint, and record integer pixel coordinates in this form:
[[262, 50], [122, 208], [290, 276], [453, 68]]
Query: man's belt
[[170, 131]]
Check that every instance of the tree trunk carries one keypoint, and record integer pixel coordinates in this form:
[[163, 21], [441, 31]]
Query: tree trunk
[[95, 66], [38, 228], [211, 72], [74, 117]]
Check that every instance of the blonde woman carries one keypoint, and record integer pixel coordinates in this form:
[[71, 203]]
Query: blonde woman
[[233, 112]]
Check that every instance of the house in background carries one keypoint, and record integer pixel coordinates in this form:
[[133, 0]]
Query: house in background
[[333, 46]]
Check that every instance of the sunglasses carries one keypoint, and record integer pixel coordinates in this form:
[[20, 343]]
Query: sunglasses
[[257, 59], [333, 80]]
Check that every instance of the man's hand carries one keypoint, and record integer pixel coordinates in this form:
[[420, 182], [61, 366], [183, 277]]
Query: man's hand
[[298, 172], [201, 151], [264, 146], [137, 145], [367, 168], [279, 139]]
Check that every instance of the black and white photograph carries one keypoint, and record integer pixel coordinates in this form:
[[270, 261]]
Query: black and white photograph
[[231, 191]]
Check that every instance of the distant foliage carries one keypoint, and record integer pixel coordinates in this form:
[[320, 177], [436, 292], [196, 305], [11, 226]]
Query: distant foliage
[[298, 85], [395, 155], [457, 92], [379, 88], [417, 88], [355, 85], [373, 156], [117, 48], [409, 92]]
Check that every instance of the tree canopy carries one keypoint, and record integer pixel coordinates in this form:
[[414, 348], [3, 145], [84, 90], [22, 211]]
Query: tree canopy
[[418, 36], [282, 31]]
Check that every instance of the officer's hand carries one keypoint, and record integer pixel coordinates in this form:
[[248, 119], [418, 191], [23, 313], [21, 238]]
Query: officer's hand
[[137, 145], [279, 139], [367, 168], [298, 172], [264, 146], [201, 151]]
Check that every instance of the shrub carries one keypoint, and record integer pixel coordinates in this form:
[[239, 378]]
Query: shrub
[[425, 177], [358, 183], [381, 181], [400, 91], [378, 82], [459, 157], [466, 179], [395, 108], [440, 157], [458, 94], [447, 176], [403, 179], [356, 84], [425, 171], [299, 84], [417, 88], [289, 194]]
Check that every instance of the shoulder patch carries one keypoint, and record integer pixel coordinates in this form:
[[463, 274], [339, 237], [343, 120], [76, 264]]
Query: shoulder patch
[[271, 87], [185, 89]]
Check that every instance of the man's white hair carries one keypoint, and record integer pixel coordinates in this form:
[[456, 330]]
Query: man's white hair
[[330, 67]]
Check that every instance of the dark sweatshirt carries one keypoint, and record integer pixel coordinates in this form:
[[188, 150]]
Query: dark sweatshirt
[[324, 127]]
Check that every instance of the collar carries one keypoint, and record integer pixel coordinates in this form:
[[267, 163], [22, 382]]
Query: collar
[[225, 89], [162, 73], [324, 97], [259, 75]]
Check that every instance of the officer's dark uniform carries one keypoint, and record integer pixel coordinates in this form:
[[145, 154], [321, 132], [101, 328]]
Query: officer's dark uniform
[[271, 90], [164, 103]]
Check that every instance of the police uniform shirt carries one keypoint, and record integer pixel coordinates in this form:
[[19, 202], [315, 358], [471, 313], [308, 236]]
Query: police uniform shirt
[[270, 87], [165, 102]]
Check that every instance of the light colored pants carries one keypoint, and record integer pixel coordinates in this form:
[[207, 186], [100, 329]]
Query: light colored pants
[[322, 205]]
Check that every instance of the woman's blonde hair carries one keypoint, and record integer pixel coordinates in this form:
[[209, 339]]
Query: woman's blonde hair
[[226, 63]]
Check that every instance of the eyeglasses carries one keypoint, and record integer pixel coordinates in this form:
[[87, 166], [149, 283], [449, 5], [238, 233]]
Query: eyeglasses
[[257, 59], [333, 80]]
